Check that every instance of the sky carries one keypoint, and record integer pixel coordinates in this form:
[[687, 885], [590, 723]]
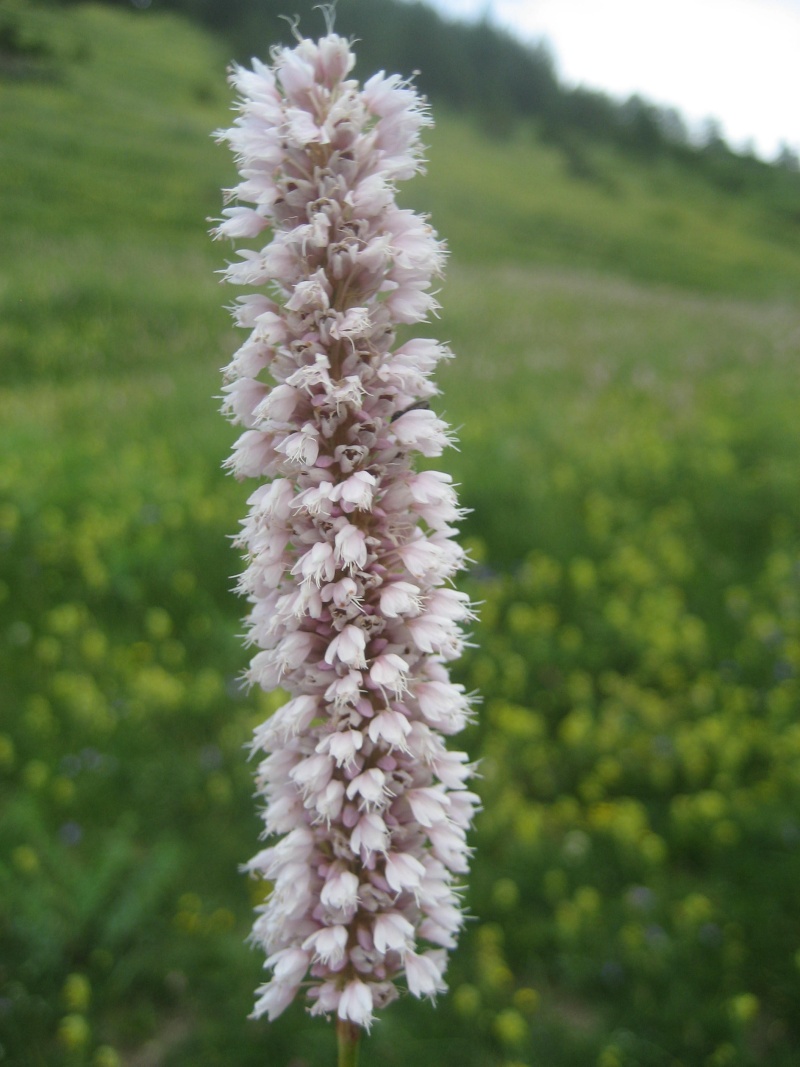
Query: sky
[[737, 61]]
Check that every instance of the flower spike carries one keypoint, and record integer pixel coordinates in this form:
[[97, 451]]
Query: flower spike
[[349, 550]]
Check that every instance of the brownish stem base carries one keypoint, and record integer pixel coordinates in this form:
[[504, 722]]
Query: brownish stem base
[[347, 1036]]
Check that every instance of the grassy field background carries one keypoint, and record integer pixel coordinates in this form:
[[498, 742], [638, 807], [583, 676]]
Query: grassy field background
[[626, 390]]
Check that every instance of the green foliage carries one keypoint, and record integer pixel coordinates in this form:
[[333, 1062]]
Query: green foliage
[[524, 202], [629, 448], [632, 466]]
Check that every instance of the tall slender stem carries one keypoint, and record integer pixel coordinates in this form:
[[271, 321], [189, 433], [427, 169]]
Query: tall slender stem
[[347, 1036]]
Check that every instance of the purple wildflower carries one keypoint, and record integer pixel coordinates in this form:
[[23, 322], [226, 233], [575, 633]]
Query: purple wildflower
[[348, 548]]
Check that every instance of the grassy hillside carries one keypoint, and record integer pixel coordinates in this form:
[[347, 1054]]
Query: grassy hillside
[[626, 388], [526, 202]]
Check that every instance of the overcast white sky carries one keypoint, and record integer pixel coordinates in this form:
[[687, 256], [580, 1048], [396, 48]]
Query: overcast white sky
[[735, 60]]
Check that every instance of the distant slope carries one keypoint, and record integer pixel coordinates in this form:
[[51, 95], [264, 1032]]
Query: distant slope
[[479, 68], [520, 200], [108, 125], [109, 174]]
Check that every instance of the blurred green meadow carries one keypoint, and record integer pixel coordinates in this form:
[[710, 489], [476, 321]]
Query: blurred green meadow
[[627, 396]]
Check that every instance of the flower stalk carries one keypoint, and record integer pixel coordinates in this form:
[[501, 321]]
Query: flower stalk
[[348, 1037], [349, 549]]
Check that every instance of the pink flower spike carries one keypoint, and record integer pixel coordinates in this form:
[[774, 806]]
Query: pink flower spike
[[348, 550]]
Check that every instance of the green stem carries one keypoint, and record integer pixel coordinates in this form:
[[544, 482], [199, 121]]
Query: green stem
[[347, 1036]]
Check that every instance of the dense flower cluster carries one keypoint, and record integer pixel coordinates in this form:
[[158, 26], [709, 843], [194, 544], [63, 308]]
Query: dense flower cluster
[[349, 549]]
